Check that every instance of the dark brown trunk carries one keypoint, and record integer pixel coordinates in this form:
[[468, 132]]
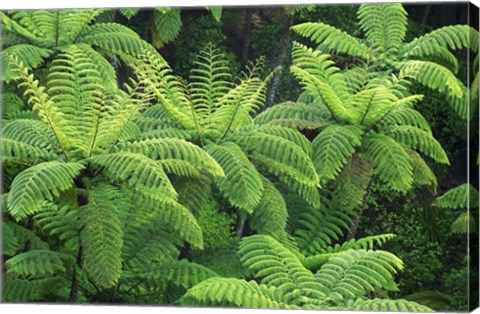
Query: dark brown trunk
[[280, 59], [356, 219], [72, 298], [247, 32]]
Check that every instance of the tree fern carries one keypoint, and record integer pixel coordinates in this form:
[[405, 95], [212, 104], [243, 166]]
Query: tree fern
[[47, 30], [286, 283], [384, 48]]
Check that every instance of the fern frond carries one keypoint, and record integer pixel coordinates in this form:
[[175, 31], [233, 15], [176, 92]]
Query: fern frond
[[39, 184], [351, 185], [324, 92], [23, 290], [462, 197], [334, 40], [419, 139], [10, 241], [173, 214], [402, 115], [75, 87], [61, 222], [216, 12], [13, 150], [422, 174], [354, 273], [388, 306], [180, 273], [465, 223], [30, 56], [368, 107], [167, 23], [173, 149], [209, 82], [242, 184], [319, 65], [433, 75], [283, 159], [384, 25], [356, 79], [286, 133], [31, 132], [138, 171], [333, 147], [101, 238], [435, 300], [451, 37], [278, 267], [318, 228], [271, 215], [390, 162], [293, 115], [44, 106], [24, 235], [129, 12], [36, 264], [230, 292], [367, 243]]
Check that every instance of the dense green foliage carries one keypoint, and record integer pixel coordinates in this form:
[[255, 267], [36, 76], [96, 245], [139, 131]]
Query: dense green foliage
[[306, 179]]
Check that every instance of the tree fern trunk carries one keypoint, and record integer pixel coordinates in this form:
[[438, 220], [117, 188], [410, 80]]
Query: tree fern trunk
[[247, 31], [72, 298], [241, 223], [355, 221], [282, 53]]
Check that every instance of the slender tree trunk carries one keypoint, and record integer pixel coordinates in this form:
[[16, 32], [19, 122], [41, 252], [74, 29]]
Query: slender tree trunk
[[425, 19], [72, 298], [280, 59], [356, 219], [247, 32], [241, 223]]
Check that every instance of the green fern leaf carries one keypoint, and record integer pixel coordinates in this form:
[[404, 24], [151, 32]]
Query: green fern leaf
[[390, 162], [333, 147], [102, 242], [242, 184], [167, 23], [36, 264], [433, 75], [462, 197], [271, 215], [334, 40], [419, 140], [10, 241], [38, 184], [293, 115], [129, 12], [384, 25], [354, 273], [351, 185], [230, 292], [138, 171], [388, 306], [31, 56]]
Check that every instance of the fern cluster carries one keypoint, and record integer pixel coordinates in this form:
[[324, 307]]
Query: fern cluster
[[428, 59]]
